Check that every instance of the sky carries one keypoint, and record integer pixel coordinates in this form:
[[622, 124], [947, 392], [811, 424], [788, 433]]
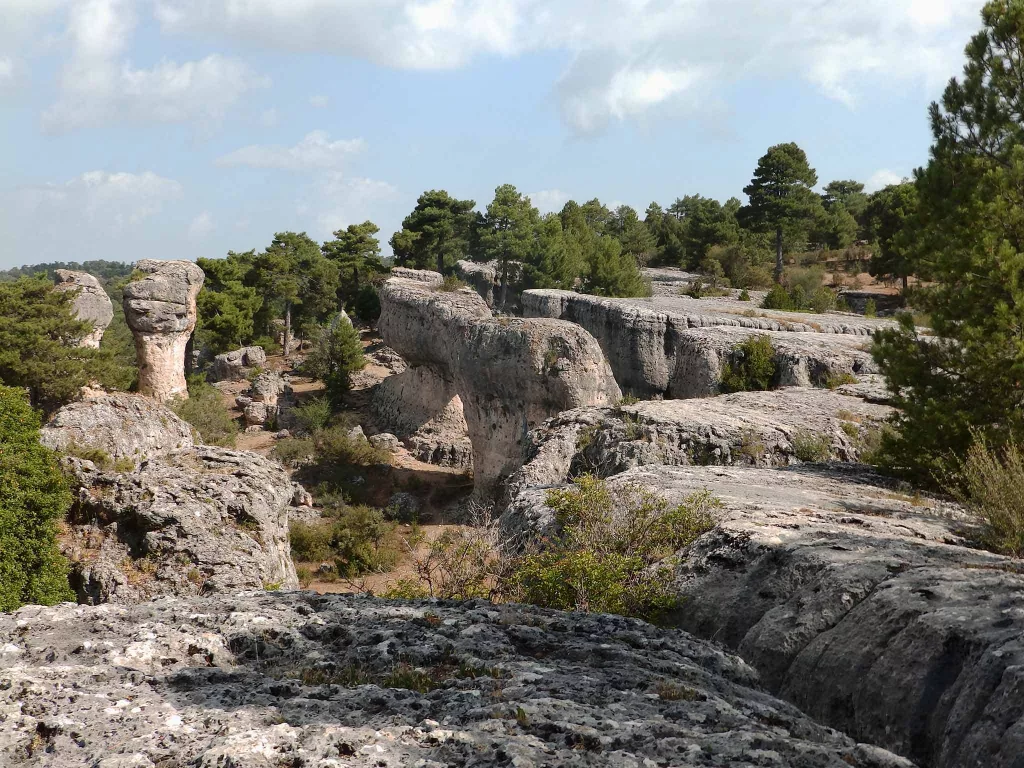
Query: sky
[[187, 128]]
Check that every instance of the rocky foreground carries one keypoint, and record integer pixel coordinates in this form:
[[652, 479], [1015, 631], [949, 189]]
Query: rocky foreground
[[296, 679]]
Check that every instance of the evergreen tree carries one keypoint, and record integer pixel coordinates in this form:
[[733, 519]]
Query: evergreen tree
[[633, 235], [336, 354], [33, 499], [227, 306], [885, 219], [781, 199], [436, 234], [356, 252], [612, 272], [705, 223], [848, 193], [669, 234], [549, 263], [968, 233], [508, 231]]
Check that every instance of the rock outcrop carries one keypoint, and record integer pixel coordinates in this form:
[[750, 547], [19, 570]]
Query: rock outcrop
[[237, 364], [161, 311], [121, 425], [92, 305], [482, 278], [749, 428], [509, 373], [263, 400], [328, 681], [862, 605], [651, 344]]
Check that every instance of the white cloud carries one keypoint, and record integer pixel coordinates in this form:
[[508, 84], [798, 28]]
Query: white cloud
[[549, 200], [882, 178], [339, 201], [107, 202], [201, 226], [269, 118], [97, 85], [627, 56], [315, 152], [319, 101]]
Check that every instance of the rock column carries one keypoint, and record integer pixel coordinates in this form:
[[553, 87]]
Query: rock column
[[161, 311], [92, 304]]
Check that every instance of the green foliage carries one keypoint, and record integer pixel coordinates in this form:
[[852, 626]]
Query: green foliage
[[744, 295], [613, 552], [612, 272], [107, 272], [356, 252], [336, 354], [633, 235], [97, 456], [836, 380], [450, 284], [886, 216], [811, 447], [551, 263], [706, 223], [778, 298], [33, 498], [507, 233], [847, 193], [989, 484], [436, 234], [967, 235], [870, 308], [293, 452], [781, 199], [337, 446], [314, 414], [751, 366], [358, 540], [229, 302], [38, 337], [205, 411]]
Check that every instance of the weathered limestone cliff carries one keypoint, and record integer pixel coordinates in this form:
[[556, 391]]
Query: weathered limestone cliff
[[862, 605], [92, 304], [510, 374], [161, 312], [297, 679], [654, 349]]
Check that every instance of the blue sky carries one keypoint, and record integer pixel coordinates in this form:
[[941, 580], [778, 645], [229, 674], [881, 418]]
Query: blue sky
[[185, 128]]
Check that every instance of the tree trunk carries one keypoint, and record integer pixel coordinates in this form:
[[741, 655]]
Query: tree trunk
[[905, 277], [287, 328], [779, 266]]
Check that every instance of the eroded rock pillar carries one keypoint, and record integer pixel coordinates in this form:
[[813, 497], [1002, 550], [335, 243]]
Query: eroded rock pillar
[[92, 305]]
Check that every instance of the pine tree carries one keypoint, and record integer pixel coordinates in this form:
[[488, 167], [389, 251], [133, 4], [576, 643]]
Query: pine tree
[[968, 235], [781, 198], [508, 232], [437, 232], [885, 218], [227, 306], [356, 252], [549, 264], [612, 272]]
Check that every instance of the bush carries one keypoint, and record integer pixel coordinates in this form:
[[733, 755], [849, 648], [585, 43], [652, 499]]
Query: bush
[[450, 284], [811, 447], [744, 295], [366, 304], [336, 354], [338, 446], [870, 308], [777, 298], [205, 410], [613, 552], [33, 498], [293, 452], [314, 414], [989, 484], [358, 540], [822, 300], [751, 366]]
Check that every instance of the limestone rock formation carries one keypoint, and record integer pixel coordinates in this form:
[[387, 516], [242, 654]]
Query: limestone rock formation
[[649, 342], [237, 364], [161, 312], [122, 425], [295, 679], [861, 605], [187, 522], [509, 373], [262, 402], [92, 304], [482, 278], [752, 428]]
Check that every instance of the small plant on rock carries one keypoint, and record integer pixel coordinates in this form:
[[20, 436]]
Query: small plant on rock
[[205, 411], [751, 366], [989, 484], [811, 447]]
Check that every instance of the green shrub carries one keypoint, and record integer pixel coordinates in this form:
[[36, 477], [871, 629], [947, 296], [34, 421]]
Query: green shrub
[[705, 288], [366, 304], [836, 380], [337, 445], [744, 295], [336, 353], [751, 366], [293, 452], [205, 410], [777, 298], [269, 344], [811, 447], [989, 484], [613, 552], [358, 540], [314, 414], [870, 308], [33, 498], [822, 300], [450, 284], [97, 456]]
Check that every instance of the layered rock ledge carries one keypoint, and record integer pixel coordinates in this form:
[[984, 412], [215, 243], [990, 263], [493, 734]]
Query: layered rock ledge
[[862, 605], [161, 311], [510, 374], [327, 681]]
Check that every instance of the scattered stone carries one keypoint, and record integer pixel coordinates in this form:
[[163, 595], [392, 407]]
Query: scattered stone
[[385, 441], [296, 678], [92, 305], [120, 424], [237, 365], [356, 433], [161, 312], [184, 523], [302, 497], [257, 414], [253, 429], [242, 401], [509, 373], [283, 434]]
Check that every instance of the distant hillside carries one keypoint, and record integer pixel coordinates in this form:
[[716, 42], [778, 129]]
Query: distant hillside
[[105, 271]]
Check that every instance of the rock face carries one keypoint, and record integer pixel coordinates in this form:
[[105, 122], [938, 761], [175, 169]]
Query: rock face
[[189, 522], [482, 278], [161, 312], [262, 405], [509, 373], [236, 365], [124, 426], [301, 679], [92, 304], [747, 428], [654, 352], [861, 605]]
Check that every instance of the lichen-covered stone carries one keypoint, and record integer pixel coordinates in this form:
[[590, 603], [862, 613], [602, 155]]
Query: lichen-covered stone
[[237, 364], [161, 311], [92, 304], [295, 679]]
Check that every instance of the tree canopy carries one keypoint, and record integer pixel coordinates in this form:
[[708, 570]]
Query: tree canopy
[[436, 234], [355, 250]]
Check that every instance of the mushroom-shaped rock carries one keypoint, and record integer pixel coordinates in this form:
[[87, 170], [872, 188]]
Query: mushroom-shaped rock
[[92, 305], [161, 311]]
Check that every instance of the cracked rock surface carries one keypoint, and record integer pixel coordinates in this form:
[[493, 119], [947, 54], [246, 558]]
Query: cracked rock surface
[[296, 679]]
